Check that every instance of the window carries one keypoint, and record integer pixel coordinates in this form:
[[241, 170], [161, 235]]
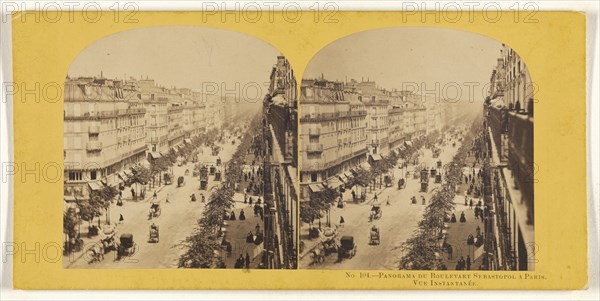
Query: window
[[313, 177], [74, 176], [314, 139], [93, 175]]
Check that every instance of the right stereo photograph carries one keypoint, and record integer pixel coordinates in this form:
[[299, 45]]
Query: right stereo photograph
[[416, 153]]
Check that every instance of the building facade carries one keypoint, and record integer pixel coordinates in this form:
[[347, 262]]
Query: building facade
[[104, 132], [508, 129]]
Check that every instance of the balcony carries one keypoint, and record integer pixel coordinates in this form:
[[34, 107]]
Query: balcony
[[93, 146], [314, 148], [520, 157], [94, 129]]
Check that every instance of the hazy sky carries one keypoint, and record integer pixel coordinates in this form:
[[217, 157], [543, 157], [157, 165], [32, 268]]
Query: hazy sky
[[184, 57], [410, 54]]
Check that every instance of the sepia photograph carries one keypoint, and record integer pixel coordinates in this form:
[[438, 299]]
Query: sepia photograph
[[180, 150], [416, 153]]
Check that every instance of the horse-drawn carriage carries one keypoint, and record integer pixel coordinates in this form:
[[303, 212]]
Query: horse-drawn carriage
[[401, 183], [203, 178], [155, 210], [167, 178], [375, 213], [424, 180], [438, 178], [126, 246], [153, 235], [388, 179], [218, 175], [347, 247], [374, 237], [212, 170]]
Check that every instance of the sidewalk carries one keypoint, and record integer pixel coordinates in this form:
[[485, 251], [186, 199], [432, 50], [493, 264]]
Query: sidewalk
[[114, 224], [311, 243]]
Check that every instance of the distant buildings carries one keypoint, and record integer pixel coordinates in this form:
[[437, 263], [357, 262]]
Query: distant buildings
[[346, 124], [111, 125]]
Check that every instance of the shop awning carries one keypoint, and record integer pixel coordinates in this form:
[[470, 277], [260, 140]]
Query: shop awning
[[376, 157], [343, 178], [123, 175], [70, 198], [315, 187], [145, 163], [408, 143], [174, 148], [348, 175], [188, 140], [365, 166], [334, 182], [397, 152], [155, 155], [94, 186]]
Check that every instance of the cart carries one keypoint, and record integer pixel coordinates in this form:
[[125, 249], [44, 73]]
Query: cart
[[374, 237], [167, 178], [218, 175], [375, 213], [155, 210], [203, 178], [153, 235], [424, 180], [126, 246], [401, 183], [347, 248], [388, 179]]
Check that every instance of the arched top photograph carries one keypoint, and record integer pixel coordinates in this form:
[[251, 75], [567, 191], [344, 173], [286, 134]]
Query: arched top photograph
[[412, 140], [171, 135]]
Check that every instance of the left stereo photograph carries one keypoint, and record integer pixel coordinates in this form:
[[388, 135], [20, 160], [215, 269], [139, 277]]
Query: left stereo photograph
[[180, 150]]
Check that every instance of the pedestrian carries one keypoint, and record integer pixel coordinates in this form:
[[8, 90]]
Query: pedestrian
[[154, 196], [132, 193], [353, 195], [375, 197], [471, 203], [121, 219], [245, 198], [167, 198], [247, 260], [341, 220], [423, 200], [387, 202], [449, 250]]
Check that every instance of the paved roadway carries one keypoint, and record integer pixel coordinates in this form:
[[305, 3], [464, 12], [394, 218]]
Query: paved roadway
[[177, 220], [396, 225]]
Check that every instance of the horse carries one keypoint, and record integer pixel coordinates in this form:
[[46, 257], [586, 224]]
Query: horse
[[318, 254]]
